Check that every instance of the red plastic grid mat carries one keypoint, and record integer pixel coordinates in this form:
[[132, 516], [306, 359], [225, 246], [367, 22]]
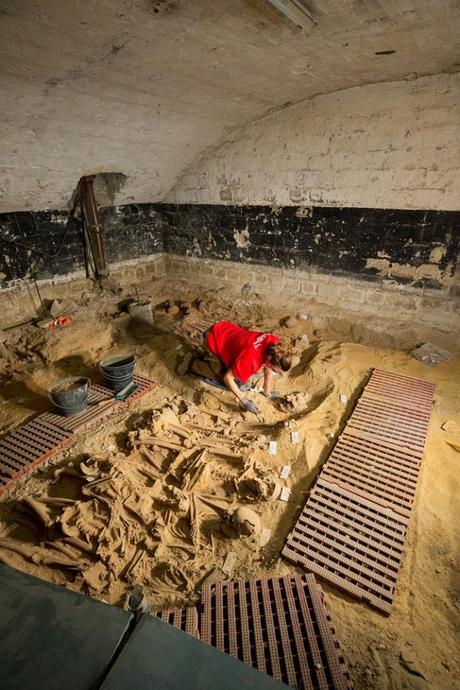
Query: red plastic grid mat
[[401, 390], [386, 421], [32, 443], [387, 476], [185, 619], [27, 446], [280, 626], [350, 542], [101, 403]]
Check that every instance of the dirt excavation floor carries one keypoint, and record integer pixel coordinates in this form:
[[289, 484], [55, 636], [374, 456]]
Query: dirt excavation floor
[[149, 497]]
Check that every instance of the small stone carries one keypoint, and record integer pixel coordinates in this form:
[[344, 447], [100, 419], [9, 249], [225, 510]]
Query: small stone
[[290, 321], [438, 570], [173, 310], [44, 323], [302, 316]]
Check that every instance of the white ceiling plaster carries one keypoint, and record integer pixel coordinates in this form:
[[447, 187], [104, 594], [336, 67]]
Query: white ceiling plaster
[[143, 87]]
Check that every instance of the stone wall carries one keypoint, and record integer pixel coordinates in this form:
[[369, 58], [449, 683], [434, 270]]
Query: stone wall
[[365, 259], [382, 145], [403, 316], [21, 301], [392, 314]]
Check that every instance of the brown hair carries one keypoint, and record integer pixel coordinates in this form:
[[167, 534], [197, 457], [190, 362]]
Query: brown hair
[[278, 357]]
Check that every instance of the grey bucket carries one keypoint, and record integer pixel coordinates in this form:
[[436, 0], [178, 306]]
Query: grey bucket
[[70, 395], [118, 371]]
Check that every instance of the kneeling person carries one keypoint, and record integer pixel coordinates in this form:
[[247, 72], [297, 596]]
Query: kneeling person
[[239, 354]]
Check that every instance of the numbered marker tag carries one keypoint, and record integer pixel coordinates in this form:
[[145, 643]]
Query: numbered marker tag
[[265, 536], [285, 494], [285, 471], [229, 563]]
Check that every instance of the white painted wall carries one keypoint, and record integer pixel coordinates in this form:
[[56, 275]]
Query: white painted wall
[[143, 87], [386, 145]]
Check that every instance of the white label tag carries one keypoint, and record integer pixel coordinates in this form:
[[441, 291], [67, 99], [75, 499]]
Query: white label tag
[[229, 563], [285, 471], [343, 399], [285, 494], [265, 536], [295, 437], [272, 447]]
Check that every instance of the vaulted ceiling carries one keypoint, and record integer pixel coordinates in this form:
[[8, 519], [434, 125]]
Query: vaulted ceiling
[[143, 87]]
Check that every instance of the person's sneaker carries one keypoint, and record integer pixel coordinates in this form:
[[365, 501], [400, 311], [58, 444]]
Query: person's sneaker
[[184, 367]]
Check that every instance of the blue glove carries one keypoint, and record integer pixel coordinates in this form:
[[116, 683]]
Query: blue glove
[[273, 395], [250, 406]]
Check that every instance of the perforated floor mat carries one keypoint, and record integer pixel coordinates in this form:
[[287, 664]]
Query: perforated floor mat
[[401, 390], [370, 469], [27, 446], [101, 403], [351, 542], [185, 619], [280, 626], [32, 443], [386, 421]]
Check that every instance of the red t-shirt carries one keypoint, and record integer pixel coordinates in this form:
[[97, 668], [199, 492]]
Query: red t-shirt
[[240, 350]]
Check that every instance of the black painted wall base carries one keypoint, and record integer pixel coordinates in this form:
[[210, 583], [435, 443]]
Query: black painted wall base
[[44, 244], [333, 240], [348, 241]]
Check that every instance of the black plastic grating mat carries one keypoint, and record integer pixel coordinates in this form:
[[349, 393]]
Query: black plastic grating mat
[[351, 542], [280, 626], [185, 619], [387, 476]]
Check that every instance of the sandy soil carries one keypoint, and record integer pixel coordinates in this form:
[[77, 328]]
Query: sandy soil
[[148, 497]]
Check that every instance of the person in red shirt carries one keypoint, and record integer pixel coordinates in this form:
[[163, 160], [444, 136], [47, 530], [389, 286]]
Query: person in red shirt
[[239, 354]]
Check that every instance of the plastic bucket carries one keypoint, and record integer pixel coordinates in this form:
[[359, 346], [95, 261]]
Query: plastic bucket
[[70, 395], [71, 411], [117, 385], [118, 371]]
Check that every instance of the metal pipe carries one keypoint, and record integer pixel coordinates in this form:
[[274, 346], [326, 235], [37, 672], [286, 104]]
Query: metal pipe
[[95, 227]]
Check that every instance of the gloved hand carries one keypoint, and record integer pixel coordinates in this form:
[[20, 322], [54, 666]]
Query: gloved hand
[[273, 395], [250, 406]]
